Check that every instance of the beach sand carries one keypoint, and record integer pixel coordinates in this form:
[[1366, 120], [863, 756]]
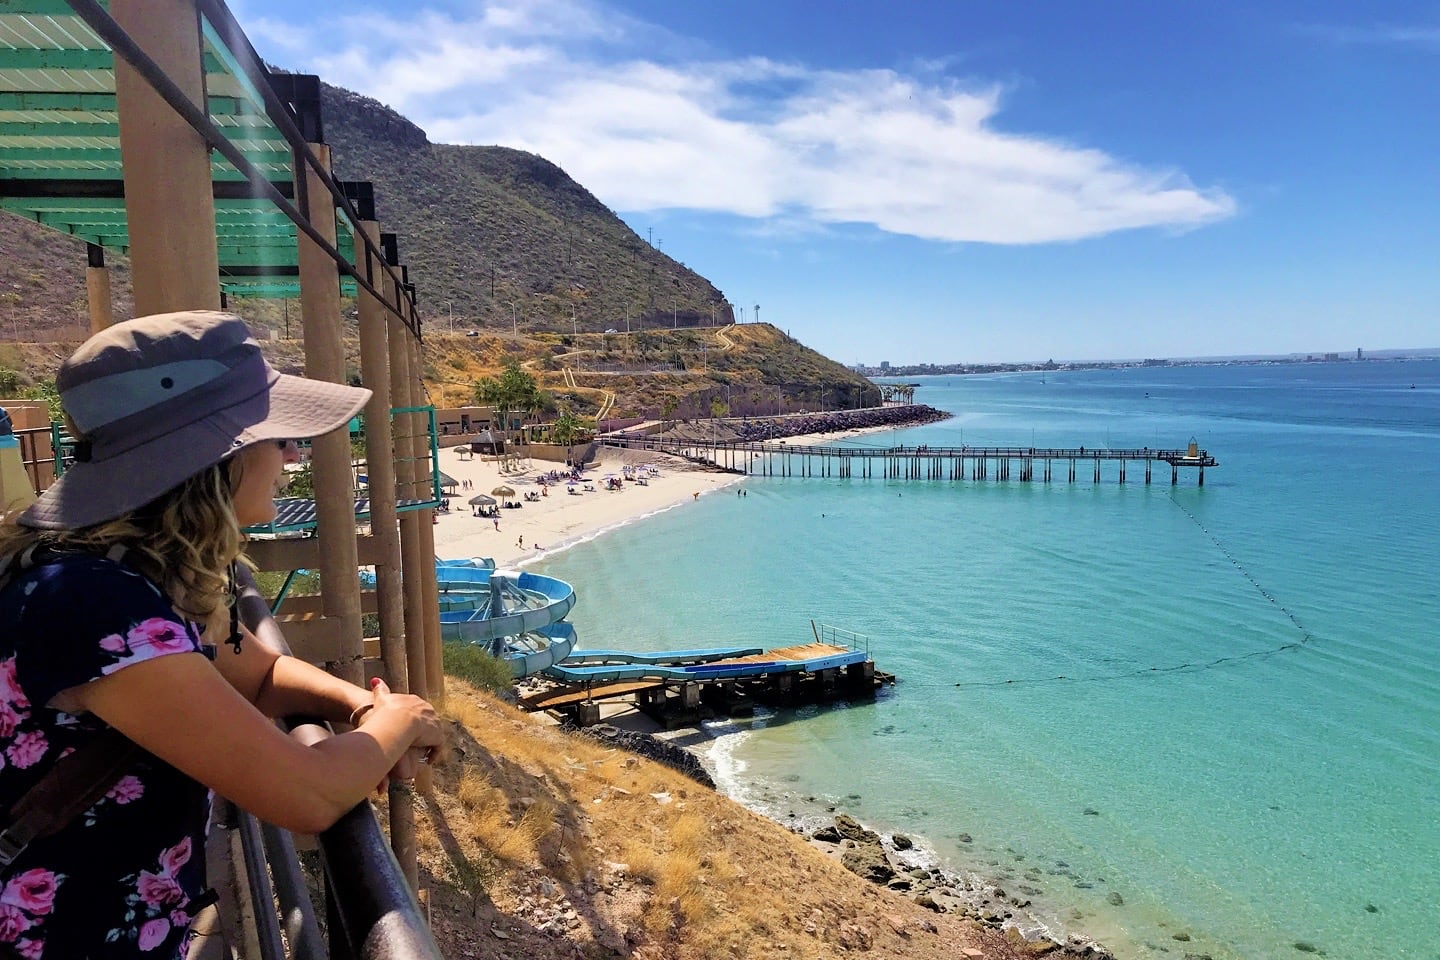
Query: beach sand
[[560, 519]]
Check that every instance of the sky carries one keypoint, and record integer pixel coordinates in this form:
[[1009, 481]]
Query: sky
[[962, 182]]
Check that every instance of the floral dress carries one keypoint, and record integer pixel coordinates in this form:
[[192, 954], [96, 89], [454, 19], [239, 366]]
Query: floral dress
[[125, 878]]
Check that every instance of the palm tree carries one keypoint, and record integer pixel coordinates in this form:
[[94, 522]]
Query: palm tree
[[513, 390], [567, 427]]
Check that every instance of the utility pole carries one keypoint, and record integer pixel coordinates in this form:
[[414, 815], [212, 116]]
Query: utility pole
[[674, 312], [712, 314], [574, 325], [514, 321], [450, 307]]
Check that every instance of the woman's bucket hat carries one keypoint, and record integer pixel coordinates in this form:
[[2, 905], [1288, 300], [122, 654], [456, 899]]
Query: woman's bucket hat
[[161, 398]]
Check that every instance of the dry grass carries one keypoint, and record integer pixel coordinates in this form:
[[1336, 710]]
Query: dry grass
[[528, 822]]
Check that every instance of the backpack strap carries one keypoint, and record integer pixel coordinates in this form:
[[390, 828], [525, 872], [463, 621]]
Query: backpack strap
[[72, 786], [79, 779]]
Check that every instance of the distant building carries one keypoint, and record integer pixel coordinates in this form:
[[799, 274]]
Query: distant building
[[1359, 353], [1331, 357], [885, 365]]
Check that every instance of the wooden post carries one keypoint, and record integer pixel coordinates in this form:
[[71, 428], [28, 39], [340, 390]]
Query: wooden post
[[385, 529], [97, 288], [434, 657], [169, 202], [414, 559], [330, 454], [380, 469]]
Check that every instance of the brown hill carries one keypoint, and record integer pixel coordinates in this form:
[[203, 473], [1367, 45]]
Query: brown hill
[[488, 229], [545, 844]]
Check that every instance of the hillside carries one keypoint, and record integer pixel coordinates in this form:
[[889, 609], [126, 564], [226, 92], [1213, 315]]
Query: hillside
[[547, 844], [488, 228], [505, 246]]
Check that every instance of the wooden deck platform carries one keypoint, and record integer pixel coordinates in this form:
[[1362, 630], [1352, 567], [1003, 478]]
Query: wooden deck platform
[[560, 697], [668, 696]]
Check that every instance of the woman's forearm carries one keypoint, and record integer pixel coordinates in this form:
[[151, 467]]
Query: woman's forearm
[[296, 687]]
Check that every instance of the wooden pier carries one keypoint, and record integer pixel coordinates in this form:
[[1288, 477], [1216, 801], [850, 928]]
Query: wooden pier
[[675, 703], [1025, 464]]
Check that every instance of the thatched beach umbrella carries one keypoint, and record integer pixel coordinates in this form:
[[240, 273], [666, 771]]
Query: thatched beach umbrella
[[503, 491], [482, 500]]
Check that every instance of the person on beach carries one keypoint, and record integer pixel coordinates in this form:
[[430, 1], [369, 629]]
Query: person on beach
[[520, 542], [117, 613], [496, 521]]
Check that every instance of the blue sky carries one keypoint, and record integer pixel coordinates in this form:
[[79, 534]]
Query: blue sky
[[956, 181]]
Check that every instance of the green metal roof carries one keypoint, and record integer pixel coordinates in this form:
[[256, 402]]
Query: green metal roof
[[60, 146]]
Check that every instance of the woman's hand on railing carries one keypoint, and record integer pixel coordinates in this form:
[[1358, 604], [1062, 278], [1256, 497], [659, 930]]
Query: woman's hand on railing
[[427, 744]]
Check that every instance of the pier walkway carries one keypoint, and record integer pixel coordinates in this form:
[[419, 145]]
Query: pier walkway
[[1026, 464]]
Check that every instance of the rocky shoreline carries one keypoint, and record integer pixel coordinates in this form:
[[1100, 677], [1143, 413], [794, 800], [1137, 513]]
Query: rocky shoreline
[[755, 429], [893, 863]]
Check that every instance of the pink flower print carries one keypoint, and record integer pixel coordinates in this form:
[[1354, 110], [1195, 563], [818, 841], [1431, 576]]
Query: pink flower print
[[10, 686], [113, 643], [179, 918], [152, 638], [153, 933], [175, 857], [32, 891], [30, 949], [158, 890], [9, 719], [126, 789], [165, 636], [13, 922], [27, 749]]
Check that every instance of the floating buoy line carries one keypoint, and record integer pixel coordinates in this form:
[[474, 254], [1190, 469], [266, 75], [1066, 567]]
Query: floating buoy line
[[1195, 665]]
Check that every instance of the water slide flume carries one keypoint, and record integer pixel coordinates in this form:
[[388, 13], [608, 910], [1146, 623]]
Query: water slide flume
[[518, 616]]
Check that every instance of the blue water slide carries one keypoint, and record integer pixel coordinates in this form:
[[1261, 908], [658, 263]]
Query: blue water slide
[[513, 603]]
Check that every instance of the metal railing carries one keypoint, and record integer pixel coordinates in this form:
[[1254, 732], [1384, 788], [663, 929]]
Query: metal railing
[[373, 913], [840, 637]]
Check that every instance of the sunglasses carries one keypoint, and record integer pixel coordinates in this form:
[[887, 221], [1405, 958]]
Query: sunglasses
[[288, 445]]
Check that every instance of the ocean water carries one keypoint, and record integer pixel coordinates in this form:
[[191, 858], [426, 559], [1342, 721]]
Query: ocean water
[[1158, 712]]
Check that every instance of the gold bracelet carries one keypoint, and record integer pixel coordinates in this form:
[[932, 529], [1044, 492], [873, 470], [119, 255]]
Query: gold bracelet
[[359, 712]]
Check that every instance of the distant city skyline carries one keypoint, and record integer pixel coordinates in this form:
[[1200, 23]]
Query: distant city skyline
[[962, 179], [1303, 356]]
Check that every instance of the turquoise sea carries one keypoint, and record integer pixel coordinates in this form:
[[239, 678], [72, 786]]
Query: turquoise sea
[[1170, 712]]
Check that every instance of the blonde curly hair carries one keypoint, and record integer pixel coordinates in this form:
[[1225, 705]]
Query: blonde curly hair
[[184, 540]]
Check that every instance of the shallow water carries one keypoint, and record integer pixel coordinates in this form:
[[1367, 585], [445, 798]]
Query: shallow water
[[1207, 712]]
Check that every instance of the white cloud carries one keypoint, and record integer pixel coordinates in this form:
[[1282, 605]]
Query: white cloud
[[1424, 37], [911, 155]]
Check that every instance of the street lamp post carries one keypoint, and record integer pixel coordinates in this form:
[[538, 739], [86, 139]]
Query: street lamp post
[[712, 314], [674, 312], [574, 324], [627, 319]]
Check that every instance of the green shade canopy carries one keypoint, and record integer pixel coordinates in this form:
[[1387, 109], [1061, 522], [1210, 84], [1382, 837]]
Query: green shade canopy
[[60, 160]]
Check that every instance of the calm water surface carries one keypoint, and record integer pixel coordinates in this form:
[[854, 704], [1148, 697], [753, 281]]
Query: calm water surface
[[1206, 712]]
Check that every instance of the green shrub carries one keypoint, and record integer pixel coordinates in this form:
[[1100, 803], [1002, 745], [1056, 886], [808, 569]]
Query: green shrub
[[473, 665]]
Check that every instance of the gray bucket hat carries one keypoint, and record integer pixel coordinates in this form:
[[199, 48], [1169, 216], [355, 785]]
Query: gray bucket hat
[[161, 398]]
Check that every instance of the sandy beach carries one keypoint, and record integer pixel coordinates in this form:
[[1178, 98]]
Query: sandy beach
[[560, 518]]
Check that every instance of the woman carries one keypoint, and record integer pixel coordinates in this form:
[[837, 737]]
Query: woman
[[121, 617]]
